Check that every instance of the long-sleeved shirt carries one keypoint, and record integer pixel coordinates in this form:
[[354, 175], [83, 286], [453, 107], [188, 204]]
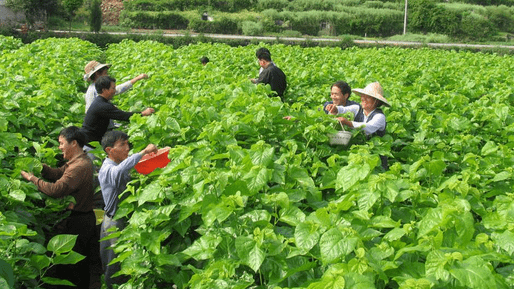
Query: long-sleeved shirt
[[75, 178], [113, 180], [377, 123], [348, 103], [275, 77], [98, 116], [91, 92]]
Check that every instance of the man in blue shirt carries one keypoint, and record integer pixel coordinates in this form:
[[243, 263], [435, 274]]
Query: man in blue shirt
[[114, 176]]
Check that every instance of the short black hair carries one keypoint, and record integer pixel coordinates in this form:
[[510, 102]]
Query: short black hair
[[111, 137], [103, 82], [343, 86], [72, 133], [204, 60], [263, 53]]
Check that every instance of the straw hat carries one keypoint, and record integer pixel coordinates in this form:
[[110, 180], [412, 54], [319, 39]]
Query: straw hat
[[374, 90], [92, 67]]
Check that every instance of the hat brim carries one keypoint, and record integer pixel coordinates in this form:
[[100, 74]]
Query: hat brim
[[360, 92], [87, 76]]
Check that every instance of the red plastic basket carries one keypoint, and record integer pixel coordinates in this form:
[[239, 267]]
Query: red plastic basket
[[150, 162]]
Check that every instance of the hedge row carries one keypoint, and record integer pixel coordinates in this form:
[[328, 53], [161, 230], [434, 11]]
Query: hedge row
[[427, 16], [153, 20], [170, 5], [501, 17], [279, 5], [356, 21]]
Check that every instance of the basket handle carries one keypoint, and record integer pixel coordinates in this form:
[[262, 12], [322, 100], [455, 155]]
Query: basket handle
[[340, 124]]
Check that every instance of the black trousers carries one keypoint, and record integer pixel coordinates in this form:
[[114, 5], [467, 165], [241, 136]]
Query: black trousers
[[83, 225]]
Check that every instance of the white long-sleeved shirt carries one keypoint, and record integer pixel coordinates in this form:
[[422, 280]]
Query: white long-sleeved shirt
[[378, 122], [91, 92]]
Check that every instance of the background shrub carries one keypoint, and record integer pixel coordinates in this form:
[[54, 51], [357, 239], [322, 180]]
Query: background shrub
[[153, 20], [502, 17], [222, 25], [251, 28], [475, 26], [278, 5]]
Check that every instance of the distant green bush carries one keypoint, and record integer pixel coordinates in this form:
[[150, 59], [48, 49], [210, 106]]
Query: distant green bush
[[170, 5], [502, 17], [291, 33], [223, 25], [278, 5], [153, 20], [476, 26], [252, 28]]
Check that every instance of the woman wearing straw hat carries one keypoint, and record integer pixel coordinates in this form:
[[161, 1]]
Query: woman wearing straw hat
[[369, 116], [95, 69]]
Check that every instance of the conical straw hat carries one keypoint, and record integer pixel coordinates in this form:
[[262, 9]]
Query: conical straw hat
[[374, 90], [92, 67]]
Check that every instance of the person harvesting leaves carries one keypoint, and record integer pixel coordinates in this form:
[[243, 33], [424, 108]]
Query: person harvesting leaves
[[114, 176]]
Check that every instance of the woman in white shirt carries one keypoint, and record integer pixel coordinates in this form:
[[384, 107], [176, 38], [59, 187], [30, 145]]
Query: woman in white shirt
[[369, 116]]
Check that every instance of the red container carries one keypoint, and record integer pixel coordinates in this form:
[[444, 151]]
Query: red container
[[150, 162]]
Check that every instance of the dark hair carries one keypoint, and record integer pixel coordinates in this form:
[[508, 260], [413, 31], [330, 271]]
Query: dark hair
[[204, 60], [111, 137], [263, 53], [72, 133], [343, 86], [94, 75], [103, 82]]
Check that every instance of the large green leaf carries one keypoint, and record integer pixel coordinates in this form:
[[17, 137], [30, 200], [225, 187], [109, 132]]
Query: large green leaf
[[334, 245], [250, 252], [62, 243]]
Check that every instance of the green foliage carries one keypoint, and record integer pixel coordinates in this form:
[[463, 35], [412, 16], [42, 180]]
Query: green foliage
[[72, 5], [469, 24], [252, 200], [164, 5], [502, 17], [219, 25], [153, 20], [251, 28], [278, 5], [35, 76], [95, 22]]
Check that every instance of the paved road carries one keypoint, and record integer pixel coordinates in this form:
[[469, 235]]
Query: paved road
[[302, 39]]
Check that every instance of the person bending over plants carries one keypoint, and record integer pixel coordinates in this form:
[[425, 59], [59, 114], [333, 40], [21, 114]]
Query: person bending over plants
[[369, 116], [102, 110], [270, 74], [114, 176], [93, 70], [75, 179]]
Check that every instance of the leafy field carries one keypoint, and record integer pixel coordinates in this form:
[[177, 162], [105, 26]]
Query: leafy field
[[251, 200]]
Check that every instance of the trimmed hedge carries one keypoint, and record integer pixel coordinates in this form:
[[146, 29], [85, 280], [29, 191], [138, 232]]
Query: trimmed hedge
[[153, 20], [169, 5], [222, 25], [355, 21]]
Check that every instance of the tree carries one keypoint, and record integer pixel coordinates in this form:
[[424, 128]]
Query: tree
[[71, 6], [95, 22]]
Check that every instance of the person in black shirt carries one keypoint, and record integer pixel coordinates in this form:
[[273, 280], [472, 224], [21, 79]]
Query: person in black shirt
[[102, 110], [270, 74]]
